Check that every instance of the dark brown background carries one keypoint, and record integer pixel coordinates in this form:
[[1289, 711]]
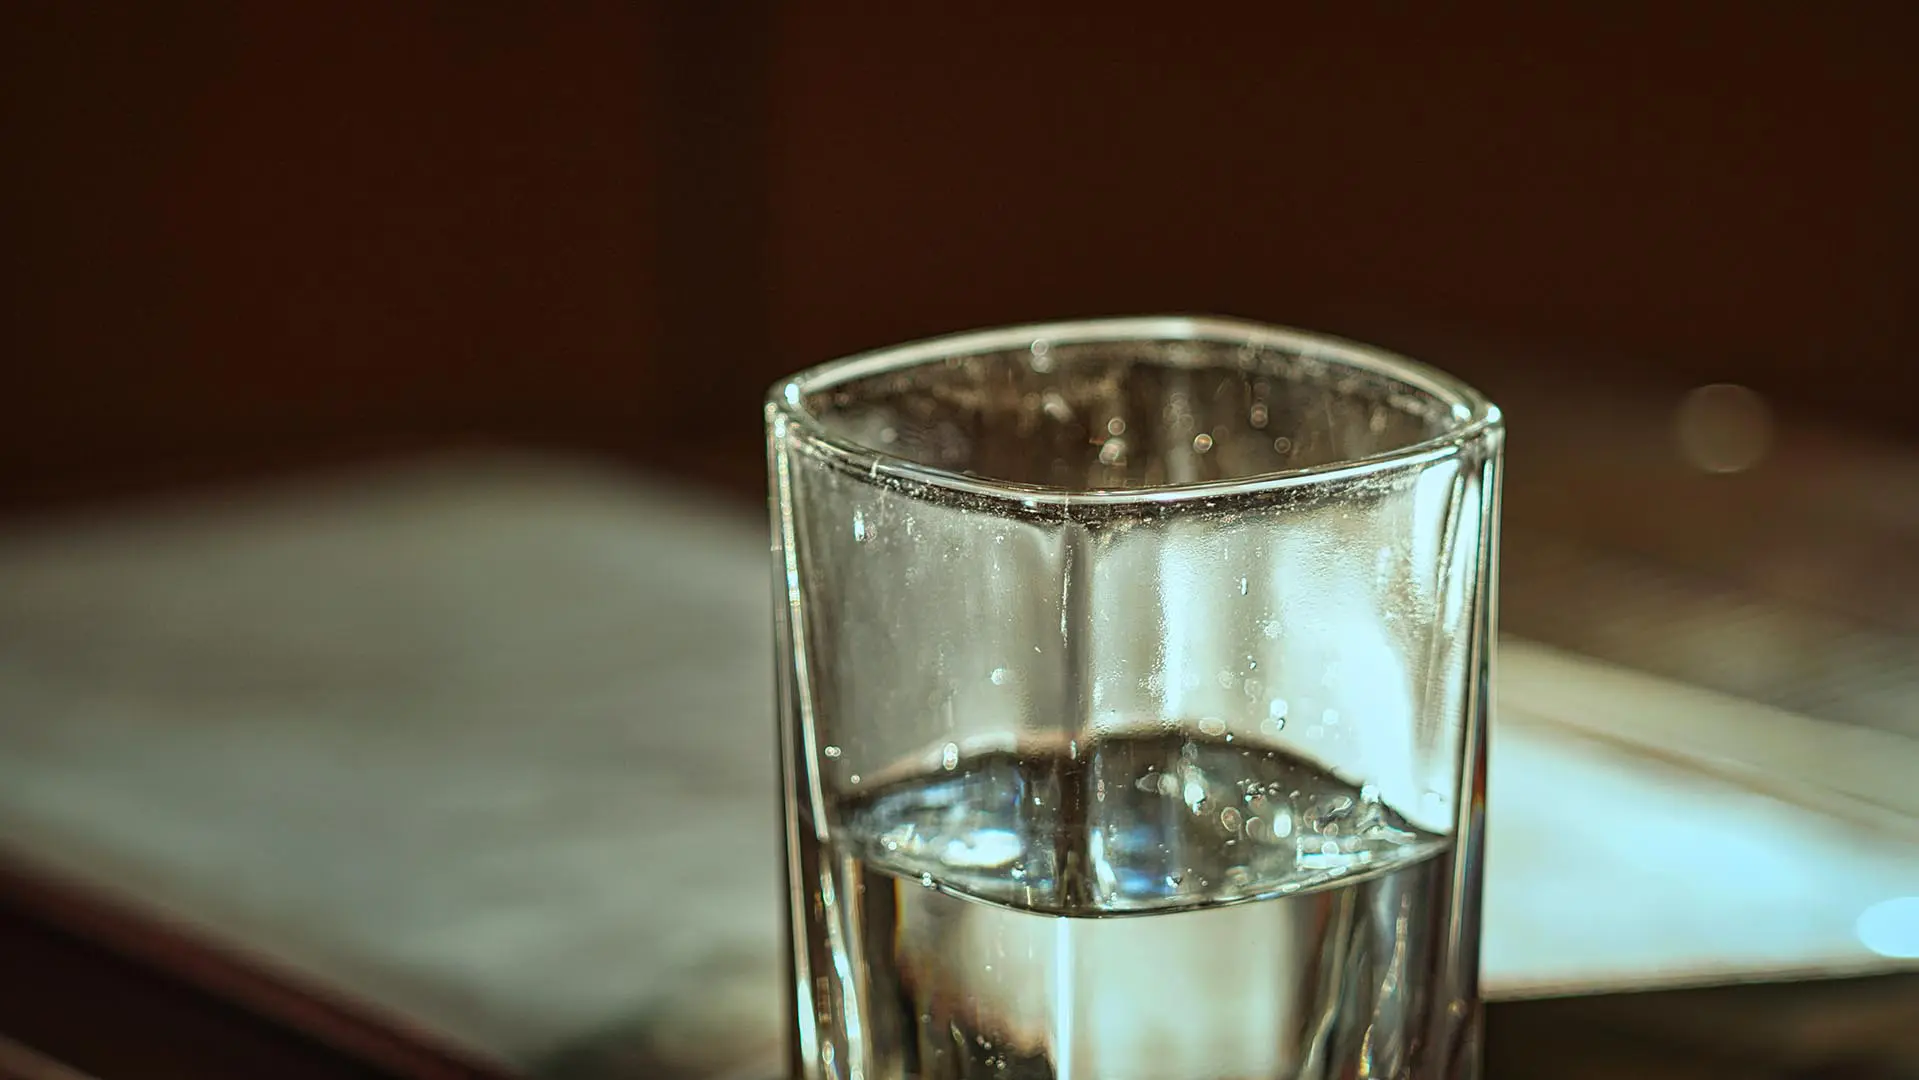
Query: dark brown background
[[243, 235], [237, 238]]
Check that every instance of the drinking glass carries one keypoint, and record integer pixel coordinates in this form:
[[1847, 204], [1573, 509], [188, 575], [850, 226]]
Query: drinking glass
[[1133, 679]]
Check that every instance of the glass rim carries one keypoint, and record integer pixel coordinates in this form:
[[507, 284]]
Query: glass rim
[[1473, 416]]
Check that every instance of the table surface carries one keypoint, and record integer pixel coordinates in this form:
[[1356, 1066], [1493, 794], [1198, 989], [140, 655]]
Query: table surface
[[410, 739]]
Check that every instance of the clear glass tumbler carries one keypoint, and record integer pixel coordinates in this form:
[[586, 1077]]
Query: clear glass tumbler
[[1133, 680]]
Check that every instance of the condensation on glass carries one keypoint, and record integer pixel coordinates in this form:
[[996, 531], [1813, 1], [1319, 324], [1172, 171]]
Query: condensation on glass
[[1133, 685]]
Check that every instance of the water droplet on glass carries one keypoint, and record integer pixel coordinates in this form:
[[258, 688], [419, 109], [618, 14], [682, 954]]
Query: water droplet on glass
[[831, 751], [1116, 426], [1202, 442], [1212, 725], [1283, 445], [1042, 351], [1330, 847], [1229, 819], [949, 757], [1257, 414]]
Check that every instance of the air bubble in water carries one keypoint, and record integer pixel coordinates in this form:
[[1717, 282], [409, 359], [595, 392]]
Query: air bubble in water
[[1195, 795], [859, 527], [998, 676], [1202, 442], [831, 751], [1212, 725], [1113, 452], [949, 757]]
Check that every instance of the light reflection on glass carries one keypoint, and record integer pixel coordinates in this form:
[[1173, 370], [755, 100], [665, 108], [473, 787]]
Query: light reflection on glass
[[1724, 428], [1891, 928]]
